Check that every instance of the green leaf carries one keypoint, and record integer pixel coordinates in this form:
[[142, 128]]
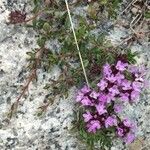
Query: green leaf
[[86, 63], [36, 9], [147, 15], [67, 22], [131, 56], [36, 2], [31, 54], [34, 23], [40, 23], [128, 75], [46, 27], [104, 2], [41, 42]]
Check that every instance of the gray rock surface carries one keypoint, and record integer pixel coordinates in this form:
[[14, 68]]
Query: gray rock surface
[[51, 132], [27, 131]]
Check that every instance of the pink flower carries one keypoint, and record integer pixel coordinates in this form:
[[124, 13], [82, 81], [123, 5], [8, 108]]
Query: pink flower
[[124, 97], [102, 98], [87, 116], [130, 125], [102, 84], [137, 86], [111, 78], [79, 96], [85, 89], [114, 90], [133, 69], [139, 78], [121, 66], [127, 123], [107, 70], [100, 109], [93, 126], [120, 132], [110, 98], [129, 138], [139, 73], [126, 85], [119, 77], [118, 108], [135, 95], [86, 101], [110, 121], [94, 95], [126, 130]]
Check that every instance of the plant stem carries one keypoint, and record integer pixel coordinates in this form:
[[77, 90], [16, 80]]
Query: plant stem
[[75, 38]]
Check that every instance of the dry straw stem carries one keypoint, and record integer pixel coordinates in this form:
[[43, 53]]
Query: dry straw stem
[[76, 42], [137, 22], [133, 1]]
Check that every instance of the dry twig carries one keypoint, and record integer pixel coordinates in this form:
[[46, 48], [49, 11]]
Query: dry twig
[[31, 77]]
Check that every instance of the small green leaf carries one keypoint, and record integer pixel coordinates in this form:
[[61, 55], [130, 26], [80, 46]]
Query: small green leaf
[[46, 27], [36, 2], [41, 42], [86, 63], [31, 55], [40, 24], [147, 15], [34, 22], [104, 2]]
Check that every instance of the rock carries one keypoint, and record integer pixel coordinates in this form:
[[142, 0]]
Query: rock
[[11, 142], [137, 144], [134, 10], [51, 132]]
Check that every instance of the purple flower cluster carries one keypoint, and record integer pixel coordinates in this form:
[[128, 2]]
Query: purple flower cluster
[[126, 130], [120, 83]]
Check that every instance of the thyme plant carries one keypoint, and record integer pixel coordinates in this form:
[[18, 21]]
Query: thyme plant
[[50, 20]]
